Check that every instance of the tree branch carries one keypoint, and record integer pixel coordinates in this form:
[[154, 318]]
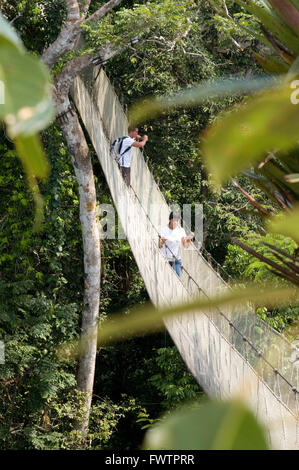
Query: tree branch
[[67, 75], [251, 199], [84, 6], [197, 54], [282, 252], [66, 39], [74, 67], [229, 16], [285, 272], [104, 10], [73, 11]]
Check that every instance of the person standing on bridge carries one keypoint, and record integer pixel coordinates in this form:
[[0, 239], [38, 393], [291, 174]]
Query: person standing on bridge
[[126, 151], [170, 241]]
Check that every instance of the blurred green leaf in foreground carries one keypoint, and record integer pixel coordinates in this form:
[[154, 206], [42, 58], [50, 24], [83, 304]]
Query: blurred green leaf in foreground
[[215, 425], [26, 106]]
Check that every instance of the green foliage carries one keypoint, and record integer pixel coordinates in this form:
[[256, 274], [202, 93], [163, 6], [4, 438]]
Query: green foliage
[[151, 17], [246, 266], [240, 25], [173, 381], [41, 305], [281, 319], [40, 296], [38, 22], [286, 224]]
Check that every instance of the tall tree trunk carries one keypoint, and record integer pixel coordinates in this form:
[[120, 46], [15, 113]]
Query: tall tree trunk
[[81, 160], [66, 41], [92, 258]]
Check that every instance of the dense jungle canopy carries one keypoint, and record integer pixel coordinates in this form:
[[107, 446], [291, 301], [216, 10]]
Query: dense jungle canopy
[[181, 45]]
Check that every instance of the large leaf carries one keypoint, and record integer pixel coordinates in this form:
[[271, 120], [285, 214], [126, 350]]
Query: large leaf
[[271, 64], [8, 36], [272, 23], [288, 12], [287, 224], [212, 426], [152, 107], [26, 85], [244, 135], [26, 106]]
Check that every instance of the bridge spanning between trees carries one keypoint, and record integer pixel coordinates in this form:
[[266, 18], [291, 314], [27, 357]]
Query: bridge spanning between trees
[[229, 350]]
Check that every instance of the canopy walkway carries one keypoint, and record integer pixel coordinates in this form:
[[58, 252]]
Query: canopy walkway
[[230, 351]]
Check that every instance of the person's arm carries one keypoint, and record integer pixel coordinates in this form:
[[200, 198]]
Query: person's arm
[[142, 143], [162, 240], [187, 240]]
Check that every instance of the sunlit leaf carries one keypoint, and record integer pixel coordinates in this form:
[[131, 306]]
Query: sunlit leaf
[[212, 426], [243, 136], [293, 71], [36, 165]]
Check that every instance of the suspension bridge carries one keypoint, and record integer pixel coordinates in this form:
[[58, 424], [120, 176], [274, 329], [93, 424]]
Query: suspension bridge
[[230, 351]]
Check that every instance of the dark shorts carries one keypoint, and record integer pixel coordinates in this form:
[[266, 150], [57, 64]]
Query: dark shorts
[[126, 174]]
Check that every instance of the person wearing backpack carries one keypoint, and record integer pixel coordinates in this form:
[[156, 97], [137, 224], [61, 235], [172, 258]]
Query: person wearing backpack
[[122, 151]]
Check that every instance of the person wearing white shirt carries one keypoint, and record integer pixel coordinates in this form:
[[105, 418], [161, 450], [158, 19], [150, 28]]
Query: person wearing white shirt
[[126, 152], [170, 241]]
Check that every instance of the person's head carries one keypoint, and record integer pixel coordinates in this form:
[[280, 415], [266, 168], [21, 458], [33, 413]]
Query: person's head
[[133, 131], [174, 220]]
